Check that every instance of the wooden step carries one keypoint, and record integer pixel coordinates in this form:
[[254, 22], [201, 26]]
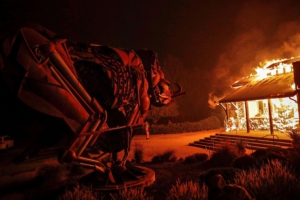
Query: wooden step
[[216, 147], [267, 137], [271, 141], [252, 142]]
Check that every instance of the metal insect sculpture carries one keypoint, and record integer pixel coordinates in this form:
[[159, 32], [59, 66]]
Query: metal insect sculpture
[[101, 93]]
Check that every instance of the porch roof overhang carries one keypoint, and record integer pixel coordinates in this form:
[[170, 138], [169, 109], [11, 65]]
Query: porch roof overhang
[[247, 89]]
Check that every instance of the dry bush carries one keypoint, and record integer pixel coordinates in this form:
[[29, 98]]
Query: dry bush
[[167, 156], [228, 173], [80, 192], [187, 191], [272, 181], [52, 174], [244, 162], [137, 193], [241, 146], [138, 152], [260, 153], [293, 156], [157, 159], [223, 156], [195, 158], [206, 124]]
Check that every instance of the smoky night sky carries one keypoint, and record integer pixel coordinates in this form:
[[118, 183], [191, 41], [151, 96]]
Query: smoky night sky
[[215, 42]]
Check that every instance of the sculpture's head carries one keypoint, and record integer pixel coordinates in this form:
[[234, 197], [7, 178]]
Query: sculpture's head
[[162, 93], [159, 91]]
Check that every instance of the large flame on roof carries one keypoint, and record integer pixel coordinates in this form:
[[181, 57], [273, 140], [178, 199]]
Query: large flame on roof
[[271, 68]]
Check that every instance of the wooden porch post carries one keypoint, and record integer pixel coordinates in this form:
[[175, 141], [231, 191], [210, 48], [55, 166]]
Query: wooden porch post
[[298, 105], [227, 111], [270, 116], [247, 116], [296, 69]]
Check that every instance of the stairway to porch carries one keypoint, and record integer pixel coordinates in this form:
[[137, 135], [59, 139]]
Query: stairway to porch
[[252, 141]]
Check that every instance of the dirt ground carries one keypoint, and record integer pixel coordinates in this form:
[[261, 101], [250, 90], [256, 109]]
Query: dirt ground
[[179, 142]]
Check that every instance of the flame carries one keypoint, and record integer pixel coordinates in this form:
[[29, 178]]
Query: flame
[[279, 67], [293, 86], [285, 116]]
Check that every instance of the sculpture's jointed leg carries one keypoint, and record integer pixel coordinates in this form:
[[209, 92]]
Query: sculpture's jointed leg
[[39, 71]]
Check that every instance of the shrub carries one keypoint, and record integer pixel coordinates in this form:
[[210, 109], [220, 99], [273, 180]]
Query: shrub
[[167, 156], [244, 162], [136, 193], [295, 137], [80, 192], [293, 157], [263, 156], [241, 146], [205, 124], [51, 174], [138, 152], [187, 191], [260, 154], [271, 181], [223, 156], [157, 159], [195, 158], [228, 173]]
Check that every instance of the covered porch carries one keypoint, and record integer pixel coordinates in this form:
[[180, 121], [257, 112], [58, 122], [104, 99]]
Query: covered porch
[[266, 105]]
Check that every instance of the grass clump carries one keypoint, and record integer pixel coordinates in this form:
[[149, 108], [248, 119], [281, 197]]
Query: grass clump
[[272, 181], [241, 146], [187, 191], [209, 123], [80, 192], [228, 174], [167, 156], [223, 156], [137, 193], [195, 158]]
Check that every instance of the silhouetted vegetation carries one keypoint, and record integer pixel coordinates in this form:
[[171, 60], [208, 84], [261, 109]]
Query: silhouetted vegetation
[[196, 158], [138, 152], [203, 125], [167, 156], [136, 193], [265, 174], [80, 192]]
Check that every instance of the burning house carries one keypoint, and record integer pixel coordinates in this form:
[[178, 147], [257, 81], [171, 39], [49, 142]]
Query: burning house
[[268, 100]]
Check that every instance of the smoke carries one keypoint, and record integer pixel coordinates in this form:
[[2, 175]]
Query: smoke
[[264, 31]]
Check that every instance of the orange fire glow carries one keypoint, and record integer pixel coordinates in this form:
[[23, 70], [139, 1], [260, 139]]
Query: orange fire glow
[[279, 67], [285, 110]]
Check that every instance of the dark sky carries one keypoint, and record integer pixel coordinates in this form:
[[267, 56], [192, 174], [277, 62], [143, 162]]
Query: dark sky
[[221, 40]]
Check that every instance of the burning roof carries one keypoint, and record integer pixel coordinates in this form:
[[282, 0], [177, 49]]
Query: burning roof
[[277, 82]]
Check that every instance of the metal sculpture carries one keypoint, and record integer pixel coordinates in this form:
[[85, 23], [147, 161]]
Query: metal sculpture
[[102, 93]]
